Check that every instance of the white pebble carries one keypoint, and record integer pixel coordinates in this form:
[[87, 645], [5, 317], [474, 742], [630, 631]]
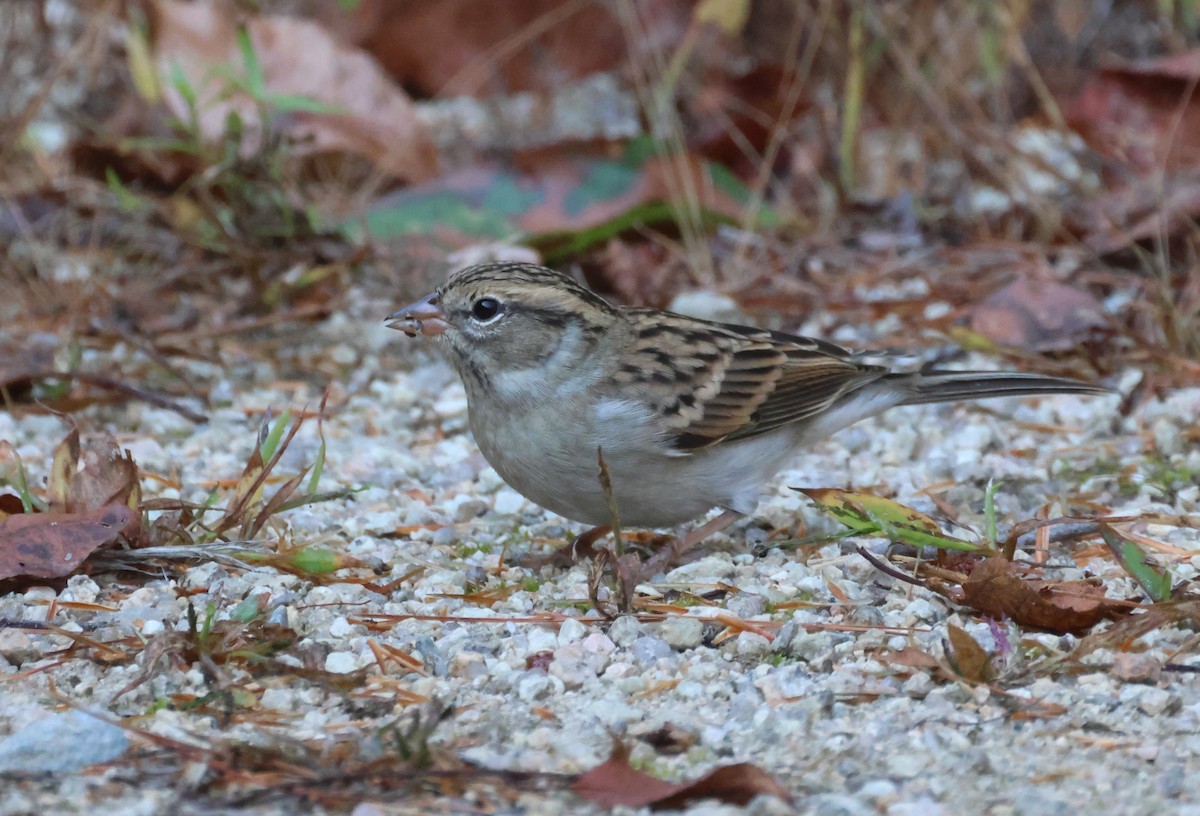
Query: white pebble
[[508, 501], [341, 662]]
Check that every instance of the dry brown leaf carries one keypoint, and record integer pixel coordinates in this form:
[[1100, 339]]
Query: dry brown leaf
[[1123, 633], [1065, 607], [375, 117], [1042, 315], [86, 477], [614, 782], [970, 660], [51, 545]]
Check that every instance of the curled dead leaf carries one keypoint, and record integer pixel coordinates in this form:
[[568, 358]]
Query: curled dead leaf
[[84, 477], [996, 589]]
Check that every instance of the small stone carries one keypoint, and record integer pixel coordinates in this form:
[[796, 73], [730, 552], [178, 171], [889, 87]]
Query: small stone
[[62, 743], [80, 588], [1168, 438], [17, 647], [1136, 668], [837, 804], [905, 765], [572, 669], [204, 577], [469, 508], [790, 682], [508, 502], [598, 644], [452, 403], [625, 630], [536, 685], [1153, 701], [746, 605], [570, 630], [706, 305], [752, 646], [921, 610], [917, 686], [278, 699], [616, 671], [928, 807], [647, 649], [341, 662], [682, 632], [468, 665], [867, 616], [1172, 780], [878, 790], [340, 627], [541, 640], [808, 646]]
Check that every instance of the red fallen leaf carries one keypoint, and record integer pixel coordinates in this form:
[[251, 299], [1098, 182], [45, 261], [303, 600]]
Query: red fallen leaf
[[466, 48], [614, 782], [1064, 607], [1042, 315], [731, 111], [1144, 112], [369, 115], [51, 545]]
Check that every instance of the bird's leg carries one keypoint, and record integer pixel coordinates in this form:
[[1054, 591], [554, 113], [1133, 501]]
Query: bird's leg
[[582, 547], [667, 556], [584, 544]]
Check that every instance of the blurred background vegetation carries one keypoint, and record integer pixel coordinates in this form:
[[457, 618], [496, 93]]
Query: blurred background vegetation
[[179, 172]]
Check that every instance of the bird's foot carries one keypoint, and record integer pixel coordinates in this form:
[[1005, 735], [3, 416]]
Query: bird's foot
[[670, 555], [582, 548]]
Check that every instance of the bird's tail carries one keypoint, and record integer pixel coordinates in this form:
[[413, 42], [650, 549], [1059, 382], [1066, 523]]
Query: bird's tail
[[950, 386]]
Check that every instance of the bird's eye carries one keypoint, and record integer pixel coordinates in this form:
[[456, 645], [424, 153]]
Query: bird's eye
[[485, 309]]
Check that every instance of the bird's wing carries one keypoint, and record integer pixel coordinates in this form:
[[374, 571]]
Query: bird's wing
[[713, 382]]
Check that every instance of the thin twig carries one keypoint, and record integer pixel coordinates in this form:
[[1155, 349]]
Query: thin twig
[[110, 384]]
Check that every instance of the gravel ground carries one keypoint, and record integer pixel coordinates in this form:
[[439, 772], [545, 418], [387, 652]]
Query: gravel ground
[[813, 701]]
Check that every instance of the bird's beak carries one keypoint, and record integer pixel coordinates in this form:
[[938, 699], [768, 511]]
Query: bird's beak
[[423, 317]]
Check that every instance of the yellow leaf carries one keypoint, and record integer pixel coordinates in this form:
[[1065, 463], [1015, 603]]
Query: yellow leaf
[[849, 507], [728, 15], [141, 66]]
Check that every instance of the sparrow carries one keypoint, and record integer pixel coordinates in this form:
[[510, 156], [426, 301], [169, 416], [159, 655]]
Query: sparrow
[[687, 414]]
